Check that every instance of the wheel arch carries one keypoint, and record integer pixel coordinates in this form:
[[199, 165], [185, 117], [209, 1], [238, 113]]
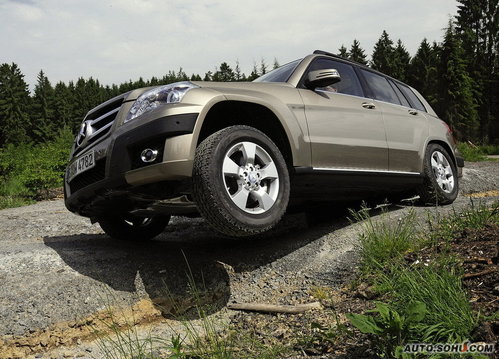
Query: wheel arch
[[446, 146], [233, 112]]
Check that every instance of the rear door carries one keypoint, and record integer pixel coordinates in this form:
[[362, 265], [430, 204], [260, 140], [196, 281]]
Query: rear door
[[406, 127], [346, 129]]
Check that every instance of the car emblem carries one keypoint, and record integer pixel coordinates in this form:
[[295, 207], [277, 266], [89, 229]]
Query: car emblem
[[83, 133]]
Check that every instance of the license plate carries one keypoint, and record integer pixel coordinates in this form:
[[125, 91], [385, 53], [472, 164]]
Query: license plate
[[82, 164]]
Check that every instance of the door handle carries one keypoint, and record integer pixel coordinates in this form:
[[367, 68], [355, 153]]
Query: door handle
[[413, 112], [368, 105]]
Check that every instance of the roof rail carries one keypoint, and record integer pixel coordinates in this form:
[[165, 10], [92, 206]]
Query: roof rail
[[321, 52]]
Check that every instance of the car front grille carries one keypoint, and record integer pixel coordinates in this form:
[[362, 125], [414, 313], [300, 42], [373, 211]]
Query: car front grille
[[89, 177], [97, 124]]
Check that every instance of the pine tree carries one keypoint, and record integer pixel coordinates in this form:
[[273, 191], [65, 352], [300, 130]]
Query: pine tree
[[14, 105], [478, 27], [401, 59], [263, 67], [224, 73], [343, 52], [422, 72], [383, 57], [63, 103], [276, 63], [357, 53], [44, 126], [254, 73], [456, 88], [237, 72]]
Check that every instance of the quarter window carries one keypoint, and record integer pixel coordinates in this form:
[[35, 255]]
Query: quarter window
[[400, 95], [412, 97], [349, 83]]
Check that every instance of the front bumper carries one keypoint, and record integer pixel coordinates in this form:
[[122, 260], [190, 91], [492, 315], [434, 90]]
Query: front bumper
[[121, 176]]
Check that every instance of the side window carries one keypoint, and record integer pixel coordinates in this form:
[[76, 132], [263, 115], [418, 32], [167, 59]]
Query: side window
[[412, 97], [349, 83], [400, 95], [381, 89]]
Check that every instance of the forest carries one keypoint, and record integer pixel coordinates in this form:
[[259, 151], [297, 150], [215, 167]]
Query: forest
[[458, 76]]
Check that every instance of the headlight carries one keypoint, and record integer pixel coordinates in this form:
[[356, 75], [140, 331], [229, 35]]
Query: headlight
[[159, 96]]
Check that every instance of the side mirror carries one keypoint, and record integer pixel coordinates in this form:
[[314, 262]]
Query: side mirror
[[322, 78]]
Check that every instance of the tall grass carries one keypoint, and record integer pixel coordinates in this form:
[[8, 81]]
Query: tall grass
[[477, 153], [436, 283], [449, 316], [383, 241]]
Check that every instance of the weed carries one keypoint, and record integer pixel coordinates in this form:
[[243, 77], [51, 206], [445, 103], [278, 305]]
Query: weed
[[449, 316], [383, 241], [390, 329], [471, 153]]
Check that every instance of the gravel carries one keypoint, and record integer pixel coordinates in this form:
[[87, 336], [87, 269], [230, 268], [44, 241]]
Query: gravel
[[57, 268]]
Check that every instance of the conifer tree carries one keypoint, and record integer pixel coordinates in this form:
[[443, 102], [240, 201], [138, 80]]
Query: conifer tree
[[14, 105], [357, 53], [383, 57]]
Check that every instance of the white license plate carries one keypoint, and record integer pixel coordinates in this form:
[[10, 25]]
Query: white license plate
[[82, 164]]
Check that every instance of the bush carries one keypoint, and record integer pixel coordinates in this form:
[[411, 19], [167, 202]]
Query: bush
[[28, 170]]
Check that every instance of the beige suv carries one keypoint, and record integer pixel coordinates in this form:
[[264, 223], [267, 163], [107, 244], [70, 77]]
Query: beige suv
[[240, 154]]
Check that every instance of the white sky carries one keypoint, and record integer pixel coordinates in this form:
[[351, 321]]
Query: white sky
[[118, 40]]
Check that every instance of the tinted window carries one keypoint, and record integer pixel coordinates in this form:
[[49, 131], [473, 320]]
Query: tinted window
[[281, 74], [349, 83], [400, 95], [381, 89], [412, 97]]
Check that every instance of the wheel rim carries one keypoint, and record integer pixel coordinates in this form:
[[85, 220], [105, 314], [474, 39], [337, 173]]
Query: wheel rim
[[250, 177], [442, 171]]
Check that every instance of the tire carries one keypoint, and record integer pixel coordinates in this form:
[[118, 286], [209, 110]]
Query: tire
[[440, 183], [130, 228], [240, 181]]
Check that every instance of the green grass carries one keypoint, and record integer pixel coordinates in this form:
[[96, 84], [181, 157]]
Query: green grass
[[449, 316], [436, 283], [477, 153], [475, 215], [383, 241]]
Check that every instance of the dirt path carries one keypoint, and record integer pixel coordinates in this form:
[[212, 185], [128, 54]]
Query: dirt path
[[58, 273]]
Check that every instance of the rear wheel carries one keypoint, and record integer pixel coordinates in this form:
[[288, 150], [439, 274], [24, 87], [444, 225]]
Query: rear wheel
[[241, 182], [128, 227], [440, 184]]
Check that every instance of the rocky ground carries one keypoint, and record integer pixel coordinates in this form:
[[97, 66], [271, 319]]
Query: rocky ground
[[59, 274]]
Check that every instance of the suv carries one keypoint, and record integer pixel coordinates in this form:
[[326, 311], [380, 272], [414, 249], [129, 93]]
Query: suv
[[316, 129]]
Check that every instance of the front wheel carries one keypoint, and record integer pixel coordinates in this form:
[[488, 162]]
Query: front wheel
[[241, 182], [440, 185], [128, 227]]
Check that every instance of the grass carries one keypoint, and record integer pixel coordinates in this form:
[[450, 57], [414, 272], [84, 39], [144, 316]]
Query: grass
[[383, 241], [436, 283], [424, 301], [473, 153], [449, 316], [205, 337]]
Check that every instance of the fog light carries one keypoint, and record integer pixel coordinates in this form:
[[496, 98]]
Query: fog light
[[149, 155]]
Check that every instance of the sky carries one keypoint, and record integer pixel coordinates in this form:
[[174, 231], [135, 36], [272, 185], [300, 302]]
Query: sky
[[118, 40]]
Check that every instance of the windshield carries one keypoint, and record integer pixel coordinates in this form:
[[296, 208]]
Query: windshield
[[281, 74]]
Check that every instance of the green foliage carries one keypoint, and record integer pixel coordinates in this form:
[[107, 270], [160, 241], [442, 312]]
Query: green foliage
[[14, 104], [476, 216], [357, 53], [457, 104], [440, 309], [27, 171], [449, 317], [389, 328], [471, 153], [382, 241]]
